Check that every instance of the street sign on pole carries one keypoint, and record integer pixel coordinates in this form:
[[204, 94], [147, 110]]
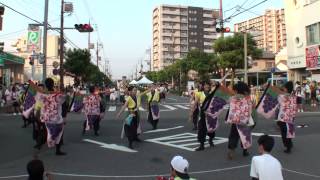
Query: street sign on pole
[[34, 36]]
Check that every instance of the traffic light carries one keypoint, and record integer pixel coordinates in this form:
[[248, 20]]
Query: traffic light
[[1, 13], [1, 47], [31, 60], [83, 27], [225, 30]]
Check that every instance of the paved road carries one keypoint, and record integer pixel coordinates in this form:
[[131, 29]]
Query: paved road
[[107, 157]]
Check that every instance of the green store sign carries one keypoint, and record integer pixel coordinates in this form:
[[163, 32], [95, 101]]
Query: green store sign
[[7, 57]]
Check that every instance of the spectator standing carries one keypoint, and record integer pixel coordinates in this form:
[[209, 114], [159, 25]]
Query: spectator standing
[[265, 166], [179, 169], [307, 92], [313, 94], [300, 96], [36, 170]]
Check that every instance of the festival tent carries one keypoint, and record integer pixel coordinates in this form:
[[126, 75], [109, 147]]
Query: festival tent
[[144, 80], [133, 82]]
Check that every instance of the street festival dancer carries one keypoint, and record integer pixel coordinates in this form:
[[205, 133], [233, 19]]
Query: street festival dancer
[[210, 109], [51, 115], [281, 103], [131, 122], [39, 128], [202, 124], [153, 107], [239, 116], [92, 112], [198, 98]]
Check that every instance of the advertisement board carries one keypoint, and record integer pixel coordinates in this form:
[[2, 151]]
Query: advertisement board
[[313, 57]]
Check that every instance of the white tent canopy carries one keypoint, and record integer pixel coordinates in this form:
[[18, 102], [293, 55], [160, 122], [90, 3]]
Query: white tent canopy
[[133, 82], [144, 80]]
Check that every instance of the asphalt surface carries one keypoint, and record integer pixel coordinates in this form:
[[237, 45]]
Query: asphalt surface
[[106, 156]]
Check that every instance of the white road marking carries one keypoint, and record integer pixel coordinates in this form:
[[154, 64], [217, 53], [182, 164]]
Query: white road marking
[[163, 130], [112, 108], [182, 107], [156, 175], [169, 107], [133, 176], [186, 141], [172, 99], [260, 134], [111, 146]]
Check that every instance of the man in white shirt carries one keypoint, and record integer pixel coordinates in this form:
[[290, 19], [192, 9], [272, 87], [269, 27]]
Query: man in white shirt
[[265, 166]]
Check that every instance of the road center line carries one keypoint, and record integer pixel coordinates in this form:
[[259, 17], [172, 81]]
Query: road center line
[[169, 107]]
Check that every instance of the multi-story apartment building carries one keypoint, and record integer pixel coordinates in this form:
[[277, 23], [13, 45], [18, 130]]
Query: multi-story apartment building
[[270, 28], [178, 29]]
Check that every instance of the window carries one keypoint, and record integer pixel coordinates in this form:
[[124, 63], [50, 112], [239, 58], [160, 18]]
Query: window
[[269, 64], [313, 34]]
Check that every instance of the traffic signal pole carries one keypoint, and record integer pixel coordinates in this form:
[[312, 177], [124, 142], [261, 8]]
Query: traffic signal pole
[[45, 36], [221, 18], [61, 46]]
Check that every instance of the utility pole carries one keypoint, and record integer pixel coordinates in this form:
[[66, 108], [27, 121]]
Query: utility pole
[[45, 37], [221, 18], [89, 39], [245, 35], [97, 54], [61, 46]]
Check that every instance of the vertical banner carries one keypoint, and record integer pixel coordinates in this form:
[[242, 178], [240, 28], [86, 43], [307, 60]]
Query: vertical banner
[[313, 57], [34, 38]]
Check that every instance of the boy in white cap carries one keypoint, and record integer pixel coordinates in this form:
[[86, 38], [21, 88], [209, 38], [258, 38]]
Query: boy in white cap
[[179, 168]]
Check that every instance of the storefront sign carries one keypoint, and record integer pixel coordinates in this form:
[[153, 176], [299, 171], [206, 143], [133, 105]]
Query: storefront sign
[[10, 58], [34, 38], [313, 57], [295, 62]]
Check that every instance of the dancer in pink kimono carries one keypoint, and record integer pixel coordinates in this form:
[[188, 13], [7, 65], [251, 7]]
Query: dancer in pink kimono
[[239, 116], [92, 105], [286, 115], [51, 115]]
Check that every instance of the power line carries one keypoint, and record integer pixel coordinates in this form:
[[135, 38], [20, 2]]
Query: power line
[[239, 7], [11, 33], [245, 10], [28, 17]]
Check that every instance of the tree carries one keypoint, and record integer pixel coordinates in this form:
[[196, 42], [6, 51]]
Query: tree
[[78, 62], [230, 51]]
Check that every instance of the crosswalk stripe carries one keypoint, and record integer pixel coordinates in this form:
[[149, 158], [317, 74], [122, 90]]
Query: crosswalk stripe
[[186, 141], [182, 107], [169, 107]]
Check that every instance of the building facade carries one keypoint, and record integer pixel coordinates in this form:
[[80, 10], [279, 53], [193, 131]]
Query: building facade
[[303, 34], [270, 28], [178, 29]]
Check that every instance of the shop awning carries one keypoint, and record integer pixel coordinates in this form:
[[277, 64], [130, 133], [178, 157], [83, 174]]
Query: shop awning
[[7, 58]]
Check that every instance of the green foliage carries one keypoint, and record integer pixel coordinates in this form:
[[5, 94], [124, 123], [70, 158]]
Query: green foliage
[[230, 50], [78, 63], [229, 53]]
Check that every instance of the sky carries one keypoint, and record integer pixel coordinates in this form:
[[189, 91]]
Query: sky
[[124, 27]]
